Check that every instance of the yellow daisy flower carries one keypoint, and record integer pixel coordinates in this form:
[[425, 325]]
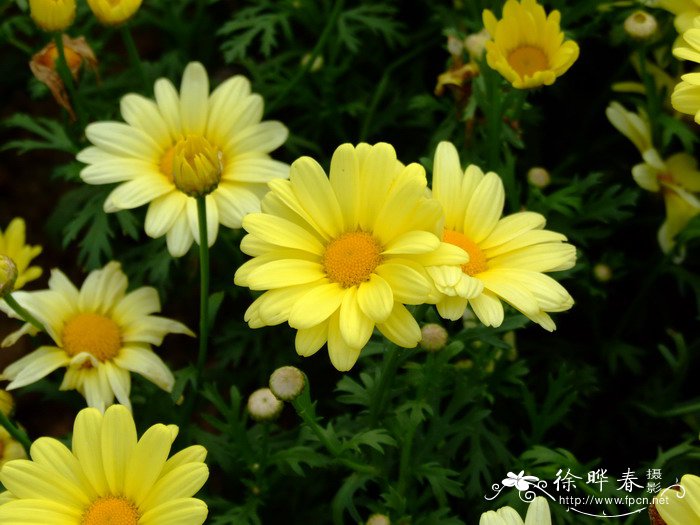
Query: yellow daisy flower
[[538, 513], [12, 244], [101, 334], [680, 507], [141, 154], [677, 177], [685, 11], [527, 47], [109, 476], [340, 256], [507, 256], [686, 95]]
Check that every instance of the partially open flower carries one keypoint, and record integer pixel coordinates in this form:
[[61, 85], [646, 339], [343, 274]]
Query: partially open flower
[[114, 12], [52, 15], [197, 166], [43, 66]]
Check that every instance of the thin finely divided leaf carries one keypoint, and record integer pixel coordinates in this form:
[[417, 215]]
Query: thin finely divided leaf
[[374, 438], [374, 18], [262, 22], [51, 134]]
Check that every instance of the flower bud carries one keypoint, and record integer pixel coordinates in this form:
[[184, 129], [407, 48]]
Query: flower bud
[[538, 177], [8, 275], [7, 403], [52, 15], [378, 519], [114, 12], [316, 65], [197, 166], [264, 406], [287, 383], [602, 272], [454, 46], [641, 25], [433, 337]]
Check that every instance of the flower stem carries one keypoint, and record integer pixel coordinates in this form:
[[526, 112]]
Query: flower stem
[[23, 313], [203, 288], [134, 56], [15, 432], [391, 360], [67, 78]]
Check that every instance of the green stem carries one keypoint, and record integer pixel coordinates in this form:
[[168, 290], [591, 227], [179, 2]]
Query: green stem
[[23, 313], [203, 288], [67, 78], [405, 461], [391, 359], [653, 100], [15, 432], [325, 35], [494, 123], [134, 56], [306, 412]]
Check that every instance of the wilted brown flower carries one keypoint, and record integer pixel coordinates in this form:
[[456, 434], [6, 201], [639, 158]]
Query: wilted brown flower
[[44, 66]]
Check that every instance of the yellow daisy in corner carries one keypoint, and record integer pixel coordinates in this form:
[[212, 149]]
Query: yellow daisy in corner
[[507, 256], [680, 507], [340, 256], [538, 513], [12, 244], [527, 47], [686, 95], [100, 332], [186, 128], [109, 476]]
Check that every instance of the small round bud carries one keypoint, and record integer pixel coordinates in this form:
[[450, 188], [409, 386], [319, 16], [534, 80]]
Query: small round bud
[[114, 12], [264, 406], [641, 25], [287, 383], [454, 46], [378, 519], [433, 337], [52, 15], [197, 166], [8, 275], [538, 177], [602, 272], [476, 43]]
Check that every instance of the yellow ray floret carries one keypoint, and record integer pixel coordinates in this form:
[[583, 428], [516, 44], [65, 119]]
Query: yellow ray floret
[[108, 476], [507, 256], [141, 155], [341, 255], [13, 245], [100, 333], [527, 47]]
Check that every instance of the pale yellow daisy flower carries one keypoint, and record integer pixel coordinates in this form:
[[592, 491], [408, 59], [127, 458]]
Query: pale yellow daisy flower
[[538, 513], [342, 256], [685, 10], [507, 256], [101, 333], [109, 476], [140, 154], [680, 507], [527, 47], [13, 245], [677, 178]]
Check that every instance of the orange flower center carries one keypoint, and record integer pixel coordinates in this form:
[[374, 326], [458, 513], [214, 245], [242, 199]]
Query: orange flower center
[[197, 152], [477, 259], [351, 258], [50, 56], [528, 60], [111, 510], [166, 163], [92, 333]]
